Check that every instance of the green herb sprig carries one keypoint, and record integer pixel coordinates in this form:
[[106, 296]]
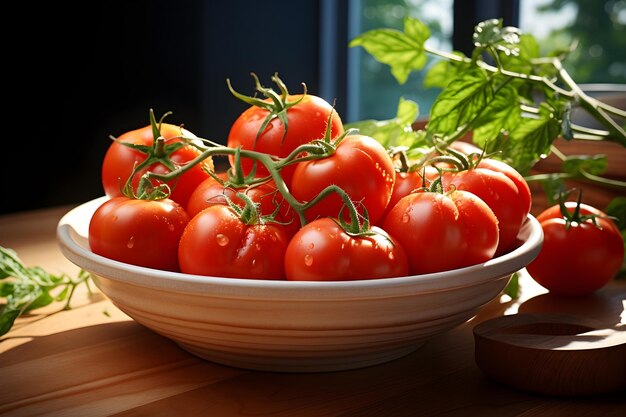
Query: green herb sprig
[[513, 101], [28, 288]]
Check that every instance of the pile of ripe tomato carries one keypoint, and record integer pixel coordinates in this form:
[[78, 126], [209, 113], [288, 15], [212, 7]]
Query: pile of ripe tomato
[[373, 222]]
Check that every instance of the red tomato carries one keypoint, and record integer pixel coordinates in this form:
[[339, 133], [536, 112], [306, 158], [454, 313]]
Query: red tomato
[[441, 232], [323, 251], [501, 195], [138, 232], [216, 242], [306, 121], [211, 192], [580, 258], [360, 166], [120, 160], [517, 178], [406, 183]]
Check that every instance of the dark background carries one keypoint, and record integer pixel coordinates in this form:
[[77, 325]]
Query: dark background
[[76, 74], [79, 74]]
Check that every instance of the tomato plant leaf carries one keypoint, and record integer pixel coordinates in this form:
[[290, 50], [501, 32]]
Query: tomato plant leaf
[[512, 289], [617, 209], [592, 164], [491, 34], [403, 51], [460, 102], [532, 138], [501, 115], [394, 132], [442, 72]]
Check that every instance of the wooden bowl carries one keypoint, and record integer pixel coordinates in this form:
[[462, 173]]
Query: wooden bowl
[[553, 354]]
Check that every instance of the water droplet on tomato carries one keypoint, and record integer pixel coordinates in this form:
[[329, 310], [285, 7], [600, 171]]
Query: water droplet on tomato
[[311, 245], [257, 247], [308, 259], [221, 239], [391, 256], [131, 242], [171, 227], [405, 218]]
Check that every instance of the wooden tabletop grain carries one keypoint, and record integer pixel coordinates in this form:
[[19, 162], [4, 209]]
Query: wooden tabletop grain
[[93, 360]]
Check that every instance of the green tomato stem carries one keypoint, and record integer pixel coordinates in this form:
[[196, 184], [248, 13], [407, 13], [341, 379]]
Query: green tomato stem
[[314, 150]]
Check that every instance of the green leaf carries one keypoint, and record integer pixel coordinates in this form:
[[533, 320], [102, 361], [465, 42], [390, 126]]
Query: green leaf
[[7, 318], [28, 288], [491, 34], [532, 138], [593, 164], [501, 115], [617, 208], [6, 288], [553, 186], [460, 102], [442, 72], [512, 289], [392, 132], [42, 300], [403, 51]]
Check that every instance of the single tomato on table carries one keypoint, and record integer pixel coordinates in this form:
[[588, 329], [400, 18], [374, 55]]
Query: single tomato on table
[[582, 250], [138, 232], [323, 251], [120, 160]]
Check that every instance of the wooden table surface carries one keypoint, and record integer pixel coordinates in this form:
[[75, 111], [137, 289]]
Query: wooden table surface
[[93, 360]]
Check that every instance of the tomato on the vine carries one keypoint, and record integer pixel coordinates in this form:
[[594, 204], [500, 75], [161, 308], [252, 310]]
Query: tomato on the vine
[[138, 232], [211, 192], [581, 252], [120, 160], [277, 127], [441, 232], [323, 251], [217, 242], [407, 182], [360, 166]]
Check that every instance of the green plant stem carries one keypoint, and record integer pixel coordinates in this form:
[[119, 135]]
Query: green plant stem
[[608, 182], [315, 150], [596, 108]]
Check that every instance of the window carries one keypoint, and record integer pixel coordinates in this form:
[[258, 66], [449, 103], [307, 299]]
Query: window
[[373, 93], [599, 27]]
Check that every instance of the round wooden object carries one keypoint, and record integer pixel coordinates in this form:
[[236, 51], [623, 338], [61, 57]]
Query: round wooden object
[[552, 354]]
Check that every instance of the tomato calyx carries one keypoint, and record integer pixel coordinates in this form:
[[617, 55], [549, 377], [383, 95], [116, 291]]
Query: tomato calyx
[[453, 160], [276, 104], [359, 225], [250, 214], [575, 216], [159, 152]]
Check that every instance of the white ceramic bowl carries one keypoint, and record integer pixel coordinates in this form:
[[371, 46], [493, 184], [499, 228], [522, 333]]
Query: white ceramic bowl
[[295, 326]]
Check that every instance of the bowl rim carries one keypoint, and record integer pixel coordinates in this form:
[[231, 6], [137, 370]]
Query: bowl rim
[[72, 231]]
